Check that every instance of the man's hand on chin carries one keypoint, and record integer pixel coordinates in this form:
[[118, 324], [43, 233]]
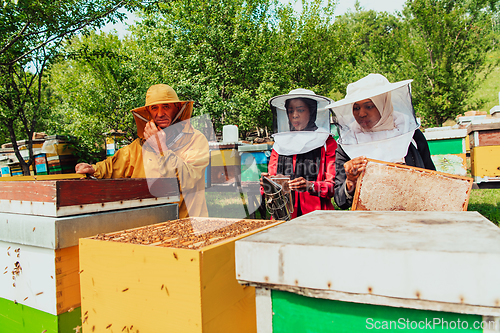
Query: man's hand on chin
[[155, 137]]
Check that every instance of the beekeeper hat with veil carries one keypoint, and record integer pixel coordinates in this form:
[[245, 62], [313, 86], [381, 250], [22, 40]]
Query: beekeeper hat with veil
[[389, 138], [289, 141]]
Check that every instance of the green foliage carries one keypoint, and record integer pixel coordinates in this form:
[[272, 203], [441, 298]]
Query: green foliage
[[375, 45], [27, 26], [444, 49], [311, 49], [230, 57], [31, 33], [486, 95], [213, 52], [94, 87]]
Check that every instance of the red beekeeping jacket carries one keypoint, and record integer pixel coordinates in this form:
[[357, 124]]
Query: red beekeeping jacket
[[321, 198]]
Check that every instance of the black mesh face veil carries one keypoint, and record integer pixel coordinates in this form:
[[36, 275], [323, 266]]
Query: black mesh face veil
[[389, 138], [300, 127], [312, 105]]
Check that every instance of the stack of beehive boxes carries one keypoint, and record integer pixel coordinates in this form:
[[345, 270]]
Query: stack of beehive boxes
[[484, 138], [59, 155], [40, 225], [254, 160], [448, 149], [224, 163]]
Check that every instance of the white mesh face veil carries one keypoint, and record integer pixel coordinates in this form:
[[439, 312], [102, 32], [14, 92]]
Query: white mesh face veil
[[290, 141], [389, 139]]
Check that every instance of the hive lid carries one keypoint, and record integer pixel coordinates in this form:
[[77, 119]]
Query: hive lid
[[63, 232], [440, 257], [445, 133], [65, 197], [257, 147], [222, 145]]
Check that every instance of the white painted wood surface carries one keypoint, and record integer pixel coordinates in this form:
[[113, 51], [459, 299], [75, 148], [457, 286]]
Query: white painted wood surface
[[448, 257], [38, 276], [490, 324], [446, 133], [264, 310], [62, 232], [50, 209]]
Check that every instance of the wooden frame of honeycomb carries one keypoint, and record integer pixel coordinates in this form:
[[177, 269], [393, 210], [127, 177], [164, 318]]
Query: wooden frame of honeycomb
[[188, 233], [388, 186]]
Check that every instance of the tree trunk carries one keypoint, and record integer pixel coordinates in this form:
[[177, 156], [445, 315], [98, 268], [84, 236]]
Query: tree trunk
[[24, 166]]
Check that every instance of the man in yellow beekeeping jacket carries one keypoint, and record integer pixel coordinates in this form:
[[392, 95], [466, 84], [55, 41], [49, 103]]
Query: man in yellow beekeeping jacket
[[167, 146]]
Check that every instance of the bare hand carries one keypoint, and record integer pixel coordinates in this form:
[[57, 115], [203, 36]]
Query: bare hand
[[155, 137], [353, 170], [299, 184], [84, 168], [150, 129]]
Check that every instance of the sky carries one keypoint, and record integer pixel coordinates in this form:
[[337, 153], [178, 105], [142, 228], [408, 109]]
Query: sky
[[378, 5], [342, 7]]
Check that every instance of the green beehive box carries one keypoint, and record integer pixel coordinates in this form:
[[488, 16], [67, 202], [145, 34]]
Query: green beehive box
[[390, 271]]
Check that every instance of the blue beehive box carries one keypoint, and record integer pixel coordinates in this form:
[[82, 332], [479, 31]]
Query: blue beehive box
[[41, 164], [254, 161]]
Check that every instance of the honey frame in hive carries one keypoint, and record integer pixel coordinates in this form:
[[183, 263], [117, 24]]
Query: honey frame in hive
[[153, 288], [420, 190]]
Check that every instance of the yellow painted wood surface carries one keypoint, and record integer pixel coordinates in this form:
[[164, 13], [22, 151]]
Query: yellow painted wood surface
[[58, 149], [159, 289], [227, 306], [137, 288], [43, 177], [67, 279], [224, 157], [485, 161]]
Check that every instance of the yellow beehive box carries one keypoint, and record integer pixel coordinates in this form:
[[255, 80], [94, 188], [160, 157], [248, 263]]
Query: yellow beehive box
[[225, 157], [155, 286], [485, 161]]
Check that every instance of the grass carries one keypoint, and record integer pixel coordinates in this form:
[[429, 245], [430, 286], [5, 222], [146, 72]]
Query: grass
[[229, 205], [487, 203], [232, 205], [489, 88]]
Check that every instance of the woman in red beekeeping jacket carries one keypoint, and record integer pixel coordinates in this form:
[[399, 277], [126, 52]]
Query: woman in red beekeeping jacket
[[304, 149]]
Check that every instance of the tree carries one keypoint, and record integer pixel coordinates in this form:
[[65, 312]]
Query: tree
[[374, 45], [444, 50], [311, 48], [212, 52], [31, 34], [93, 87]]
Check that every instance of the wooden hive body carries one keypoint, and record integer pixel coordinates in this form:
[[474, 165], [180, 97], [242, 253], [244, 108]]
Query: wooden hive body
[[44, 293], [225, 166], [485, 151], [79, 196], [153, 288], [331, 271]]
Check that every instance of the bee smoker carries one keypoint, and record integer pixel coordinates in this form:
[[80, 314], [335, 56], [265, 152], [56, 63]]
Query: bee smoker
[[278, 198]]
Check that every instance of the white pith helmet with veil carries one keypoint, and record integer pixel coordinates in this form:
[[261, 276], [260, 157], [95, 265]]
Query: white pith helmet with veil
[[290, 141], [389, 138]]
